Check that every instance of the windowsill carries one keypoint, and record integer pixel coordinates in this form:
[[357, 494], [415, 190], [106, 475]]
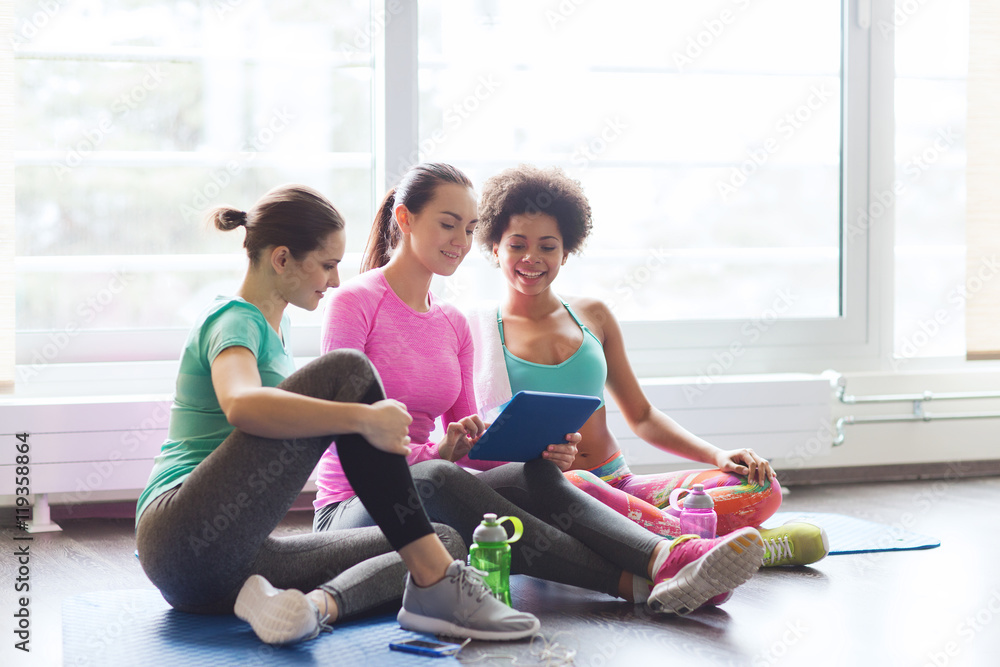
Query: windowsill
[[68, 381]]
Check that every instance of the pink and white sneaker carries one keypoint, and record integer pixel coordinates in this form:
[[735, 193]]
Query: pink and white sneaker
[[699, 571]]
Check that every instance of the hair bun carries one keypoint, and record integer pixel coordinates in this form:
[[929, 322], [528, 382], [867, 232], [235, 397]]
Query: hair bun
[[228, 218]]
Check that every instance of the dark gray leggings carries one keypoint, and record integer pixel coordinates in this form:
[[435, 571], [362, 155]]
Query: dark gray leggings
[[569, 536], [199, 542]]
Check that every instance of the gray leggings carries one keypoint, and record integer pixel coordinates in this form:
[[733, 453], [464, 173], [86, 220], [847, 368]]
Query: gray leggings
[[199, 542], [569, 536]]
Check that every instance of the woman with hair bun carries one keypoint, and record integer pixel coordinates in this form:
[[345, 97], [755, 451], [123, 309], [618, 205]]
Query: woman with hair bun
[[247, 429]]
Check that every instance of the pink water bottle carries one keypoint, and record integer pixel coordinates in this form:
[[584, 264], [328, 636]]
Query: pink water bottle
[[697, 516]]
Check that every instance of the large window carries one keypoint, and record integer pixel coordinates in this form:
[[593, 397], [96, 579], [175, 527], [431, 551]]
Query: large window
[[711, 158], [135, 117], [724, 146]]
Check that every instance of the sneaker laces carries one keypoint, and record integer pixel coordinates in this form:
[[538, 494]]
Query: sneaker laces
[[472, 581], [664, 559], [681, 539], [776, 549]]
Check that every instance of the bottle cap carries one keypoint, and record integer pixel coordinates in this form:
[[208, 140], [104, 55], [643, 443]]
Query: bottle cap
[[489, 531], [698, 499]]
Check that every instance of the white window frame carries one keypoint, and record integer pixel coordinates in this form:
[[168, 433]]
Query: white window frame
[[860, 339], [855, 340]]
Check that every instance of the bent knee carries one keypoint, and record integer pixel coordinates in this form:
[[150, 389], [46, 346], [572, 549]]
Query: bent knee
[[435, 470], [544, 471], [441, 483], [581, 478], [350, 362]]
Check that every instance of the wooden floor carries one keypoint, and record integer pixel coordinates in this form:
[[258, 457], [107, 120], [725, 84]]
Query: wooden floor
[[937, 607]]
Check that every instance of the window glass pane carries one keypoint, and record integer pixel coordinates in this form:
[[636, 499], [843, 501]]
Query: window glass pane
[[711, 158], [931, 52], [134, 118]]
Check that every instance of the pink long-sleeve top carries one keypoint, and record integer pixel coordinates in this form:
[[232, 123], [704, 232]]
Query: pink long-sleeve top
[[424, 360]]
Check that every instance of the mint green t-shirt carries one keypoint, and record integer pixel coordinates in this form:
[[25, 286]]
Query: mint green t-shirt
[[197, 423]]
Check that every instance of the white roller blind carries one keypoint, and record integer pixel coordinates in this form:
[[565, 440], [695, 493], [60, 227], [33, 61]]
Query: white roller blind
[[982, 274], [6, 196]]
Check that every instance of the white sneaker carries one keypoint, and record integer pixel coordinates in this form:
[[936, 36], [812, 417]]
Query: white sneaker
[[462, 605], [276, 615]]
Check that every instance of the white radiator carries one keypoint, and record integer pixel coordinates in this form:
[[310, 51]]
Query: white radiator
[[785, 418], [84, 447]]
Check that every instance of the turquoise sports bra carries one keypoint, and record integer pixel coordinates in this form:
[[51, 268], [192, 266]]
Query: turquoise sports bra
[[583, 373]]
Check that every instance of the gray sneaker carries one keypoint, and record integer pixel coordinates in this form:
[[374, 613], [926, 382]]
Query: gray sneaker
[[462, 605]]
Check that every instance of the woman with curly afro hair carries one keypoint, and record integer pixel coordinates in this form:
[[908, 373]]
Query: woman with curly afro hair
[[530, 221]]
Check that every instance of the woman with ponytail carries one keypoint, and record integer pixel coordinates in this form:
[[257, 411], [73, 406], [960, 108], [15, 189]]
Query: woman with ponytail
[[422, 349], [247, 429]]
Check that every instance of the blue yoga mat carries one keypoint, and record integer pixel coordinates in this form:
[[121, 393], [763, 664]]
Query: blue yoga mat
[[849, 535], [137, 627]]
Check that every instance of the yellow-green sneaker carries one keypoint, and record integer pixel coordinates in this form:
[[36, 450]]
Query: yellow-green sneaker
[[794, 543]]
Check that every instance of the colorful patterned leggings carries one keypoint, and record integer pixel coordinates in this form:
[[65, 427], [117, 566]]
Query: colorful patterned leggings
[[646, 498]]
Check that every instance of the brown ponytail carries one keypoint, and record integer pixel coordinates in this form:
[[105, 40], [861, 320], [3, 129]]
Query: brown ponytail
[[414, 191], [294, 216], [383, 236]]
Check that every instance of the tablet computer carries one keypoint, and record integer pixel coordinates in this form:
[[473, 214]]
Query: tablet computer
[[530, 422]]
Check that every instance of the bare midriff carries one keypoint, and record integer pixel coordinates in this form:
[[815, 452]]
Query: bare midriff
[[598, 443]]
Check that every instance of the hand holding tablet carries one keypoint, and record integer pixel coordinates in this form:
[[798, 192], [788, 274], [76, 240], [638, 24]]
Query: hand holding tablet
[[530, 422]]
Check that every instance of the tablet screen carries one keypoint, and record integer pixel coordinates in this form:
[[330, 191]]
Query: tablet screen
[[530, 422]]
